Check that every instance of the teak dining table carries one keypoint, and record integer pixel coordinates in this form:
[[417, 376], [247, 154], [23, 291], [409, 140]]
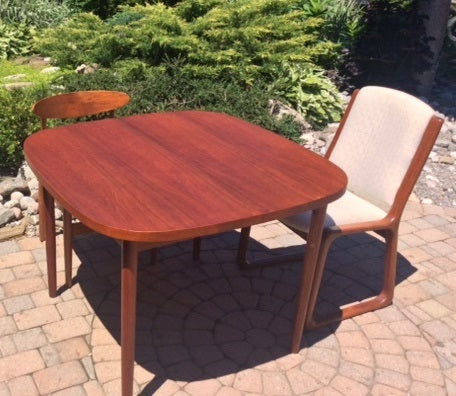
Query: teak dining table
[[159, 178]]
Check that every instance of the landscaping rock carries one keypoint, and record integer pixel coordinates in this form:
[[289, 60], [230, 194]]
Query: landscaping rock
[[16, 196], [280, 110], [17, 213], [11, 184], [14, 77], [446, 160], [33, 185], [11, 204], [49, 70], [25, 172], [17, 85], [6, 215], [58, 213], [29, 204]]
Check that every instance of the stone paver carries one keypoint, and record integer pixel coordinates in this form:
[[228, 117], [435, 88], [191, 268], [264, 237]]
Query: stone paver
[[209, 328]]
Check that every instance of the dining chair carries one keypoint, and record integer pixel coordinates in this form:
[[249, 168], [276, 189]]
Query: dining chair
[[382, 144], [75, 105]]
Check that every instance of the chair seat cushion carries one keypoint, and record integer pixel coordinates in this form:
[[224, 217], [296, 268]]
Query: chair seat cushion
[[348, 209]]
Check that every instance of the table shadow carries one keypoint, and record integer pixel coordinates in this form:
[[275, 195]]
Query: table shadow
[[209, 319]]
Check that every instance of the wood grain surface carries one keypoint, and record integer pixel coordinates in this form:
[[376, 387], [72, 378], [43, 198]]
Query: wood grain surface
[[171, 176]]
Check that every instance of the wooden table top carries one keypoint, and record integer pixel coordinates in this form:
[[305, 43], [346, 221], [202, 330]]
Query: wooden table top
[[171, 176]]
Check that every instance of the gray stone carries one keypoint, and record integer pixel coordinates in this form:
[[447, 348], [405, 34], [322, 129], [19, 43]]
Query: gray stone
[[11, 204], [16, 196], [1, 198], [453, 138], [26, 172], [35, 194], [442, 143], [33, 208], [17, 85], [280, 110], [80, 69], [33, 184], [14, 77], [6, 215], [444, 159], [17, 213], [10, 184], [34, 219], [58, 213], [50, 70], [28, 203]]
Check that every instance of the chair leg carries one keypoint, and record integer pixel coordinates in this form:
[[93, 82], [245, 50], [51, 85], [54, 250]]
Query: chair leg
[[242, 249], [68, 246], [41, 221], [382, 300], [196, 248]]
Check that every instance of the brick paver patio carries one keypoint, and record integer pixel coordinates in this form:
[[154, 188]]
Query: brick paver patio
[[208, 328]]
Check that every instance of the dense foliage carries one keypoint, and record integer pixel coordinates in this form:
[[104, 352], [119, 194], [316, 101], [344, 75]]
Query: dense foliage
[[16, 123], [230, 56], [242, 40], [19, 19]]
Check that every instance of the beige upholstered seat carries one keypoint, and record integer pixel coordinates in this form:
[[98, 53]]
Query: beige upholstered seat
[[382, 144], [348, 209]]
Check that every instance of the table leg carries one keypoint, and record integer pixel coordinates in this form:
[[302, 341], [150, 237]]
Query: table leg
[[68, 246], [48, 215], [307, 275], [128, 314]]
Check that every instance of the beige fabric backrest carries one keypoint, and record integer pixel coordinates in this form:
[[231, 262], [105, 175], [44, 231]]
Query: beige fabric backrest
[[379, 139]]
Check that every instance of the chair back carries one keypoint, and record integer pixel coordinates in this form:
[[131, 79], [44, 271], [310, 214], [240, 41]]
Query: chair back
[[383, 139], [79, 104]]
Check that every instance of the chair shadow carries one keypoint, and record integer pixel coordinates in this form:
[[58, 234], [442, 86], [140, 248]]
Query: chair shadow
[[208, 319]]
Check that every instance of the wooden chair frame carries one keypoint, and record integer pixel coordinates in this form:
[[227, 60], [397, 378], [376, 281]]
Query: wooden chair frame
[[386, 227], [68, 106]]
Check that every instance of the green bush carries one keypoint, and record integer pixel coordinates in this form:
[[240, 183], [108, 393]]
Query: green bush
[[36, 13], [19, 20], [171, 88], [74, 42], [102, 8], [343, 18], [16, 123], [14, 40], [242, 40]]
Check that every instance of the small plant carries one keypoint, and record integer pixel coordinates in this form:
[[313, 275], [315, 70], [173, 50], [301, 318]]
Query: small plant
[[14, 40], [306, 88]]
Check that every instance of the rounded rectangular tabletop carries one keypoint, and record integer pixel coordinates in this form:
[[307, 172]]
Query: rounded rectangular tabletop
[[171, 176]]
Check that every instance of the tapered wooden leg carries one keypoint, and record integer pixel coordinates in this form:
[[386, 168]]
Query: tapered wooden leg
[[196, 248], [68, 246], [389, 278], [242, 249], [41, 220], [128, 314], [47, 214], [307, 275]]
